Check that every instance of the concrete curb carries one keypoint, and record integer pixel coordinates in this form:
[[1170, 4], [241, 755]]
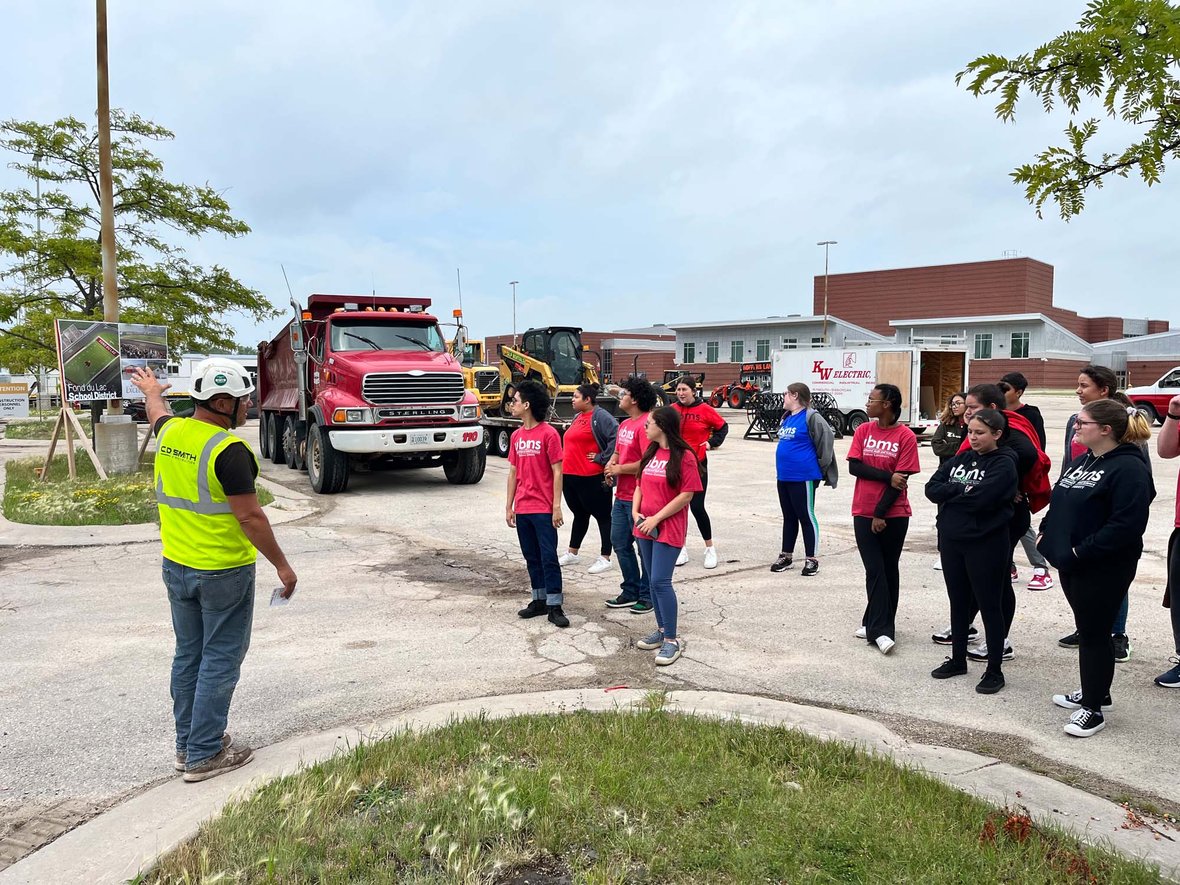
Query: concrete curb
[[288, 506], [117, 845]]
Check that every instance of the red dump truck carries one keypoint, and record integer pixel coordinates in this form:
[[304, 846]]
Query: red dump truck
[[361, 382]]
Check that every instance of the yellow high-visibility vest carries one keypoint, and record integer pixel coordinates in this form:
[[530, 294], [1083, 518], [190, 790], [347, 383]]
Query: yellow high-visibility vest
[[196, 524]]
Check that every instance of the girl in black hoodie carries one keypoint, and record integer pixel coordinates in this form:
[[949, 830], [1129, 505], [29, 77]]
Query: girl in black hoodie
[[1093, 534], [976, 489]]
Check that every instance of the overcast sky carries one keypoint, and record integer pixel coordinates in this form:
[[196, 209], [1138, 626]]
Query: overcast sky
[[627, 162]]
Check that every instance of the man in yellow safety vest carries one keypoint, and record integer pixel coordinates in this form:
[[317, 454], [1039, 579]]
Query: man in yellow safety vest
[[212, 528]]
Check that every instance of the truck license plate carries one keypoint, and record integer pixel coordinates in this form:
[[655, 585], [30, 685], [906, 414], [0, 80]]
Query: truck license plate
[[419, 439]]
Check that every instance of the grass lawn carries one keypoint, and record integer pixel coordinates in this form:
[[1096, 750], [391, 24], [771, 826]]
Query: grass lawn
[[34, 428], [120, 500], [623, 797]]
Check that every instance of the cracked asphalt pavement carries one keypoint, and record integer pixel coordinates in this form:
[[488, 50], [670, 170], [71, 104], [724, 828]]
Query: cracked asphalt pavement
[[408, 594]]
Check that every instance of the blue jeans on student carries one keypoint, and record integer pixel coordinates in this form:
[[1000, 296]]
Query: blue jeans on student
[[660, 561], [538, 543], [212, 613], [635, 586], [1120, 620]]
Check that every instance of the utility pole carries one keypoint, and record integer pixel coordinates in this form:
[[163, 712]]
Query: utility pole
[[514, 284], [826, 244], [106, 188]]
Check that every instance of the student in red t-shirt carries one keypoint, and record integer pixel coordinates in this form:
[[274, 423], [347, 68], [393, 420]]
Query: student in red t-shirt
[[668, 477], [703, 429], [882, 457], [1167, 444], [588, 444], [637, 397], [534, 499]]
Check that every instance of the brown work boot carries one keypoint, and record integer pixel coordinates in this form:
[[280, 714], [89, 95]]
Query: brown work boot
[[227, 760], [182, 758]]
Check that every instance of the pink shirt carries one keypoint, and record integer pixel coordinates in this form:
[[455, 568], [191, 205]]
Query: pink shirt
[[894, 449], [533, 453], [629, 446], [656, 492]]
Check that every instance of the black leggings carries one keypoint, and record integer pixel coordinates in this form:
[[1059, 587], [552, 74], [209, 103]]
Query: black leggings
[[698, 505], [797, 502], [976, 574], [1174, 585], [881, 552], [1016, 528], [1095, 595], [586, 497]]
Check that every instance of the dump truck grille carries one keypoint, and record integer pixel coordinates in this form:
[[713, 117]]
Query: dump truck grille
[[488, 381], [402, 388]]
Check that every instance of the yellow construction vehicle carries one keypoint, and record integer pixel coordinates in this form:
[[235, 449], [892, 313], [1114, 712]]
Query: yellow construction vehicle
[[478, 377], [552, 356]]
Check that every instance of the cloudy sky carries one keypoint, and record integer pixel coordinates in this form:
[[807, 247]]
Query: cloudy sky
[[629, 163]]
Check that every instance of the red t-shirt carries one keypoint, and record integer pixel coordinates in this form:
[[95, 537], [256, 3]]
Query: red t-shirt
[[894, 449], [657, 492], [629, 446], [579, 445], [697, 423], [533, 453]]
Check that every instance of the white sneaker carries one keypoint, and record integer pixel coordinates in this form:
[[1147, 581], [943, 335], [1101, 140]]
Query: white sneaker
[[885, 644], [568, 558], [710, 557], [682, 559], [938, 565], [861, 632], [602, 564]]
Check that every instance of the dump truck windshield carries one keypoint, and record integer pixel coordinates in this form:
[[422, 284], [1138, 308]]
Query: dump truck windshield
[[352, 335]]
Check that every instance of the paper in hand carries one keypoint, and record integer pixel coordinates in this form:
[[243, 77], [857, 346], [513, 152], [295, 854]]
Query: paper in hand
[[276, 597]]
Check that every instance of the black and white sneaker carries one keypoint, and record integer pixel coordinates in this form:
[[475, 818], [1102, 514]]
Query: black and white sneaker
[[1170, 678], [1122, 647], [783, 562], [1073, 701], [1084, 723], [810, 567], [979, 653], [619, 601], [944, 637], [1070, 641]]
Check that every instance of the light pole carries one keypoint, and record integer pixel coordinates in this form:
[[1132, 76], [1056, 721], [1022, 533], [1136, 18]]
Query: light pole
[[513, 284], [826, 244]]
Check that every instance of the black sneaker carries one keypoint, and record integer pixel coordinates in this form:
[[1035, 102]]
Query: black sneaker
[[1084, 723], [619, 602], [642, 608], [949, 668], [944, 638], [990, 683], [783, 562], [1122, 648], [810, 568], [1073, 701], [1070, 641], [533, 609], [557, 617]]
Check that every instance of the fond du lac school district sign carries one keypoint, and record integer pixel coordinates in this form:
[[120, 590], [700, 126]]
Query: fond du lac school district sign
[[96, 358]]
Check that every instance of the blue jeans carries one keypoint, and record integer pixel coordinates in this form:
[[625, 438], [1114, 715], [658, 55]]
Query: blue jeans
[[635, 584], [660, 561], [212, 613], [538, 543], [1120, 620]]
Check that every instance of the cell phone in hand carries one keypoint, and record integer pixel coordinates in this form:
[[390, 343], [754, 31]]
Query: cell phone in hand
[[654, 534], [276, 597]]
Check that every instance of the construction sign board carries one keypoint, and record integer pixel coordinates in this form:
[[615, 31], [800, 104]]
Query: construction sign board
[[96, 358], [14, 400]]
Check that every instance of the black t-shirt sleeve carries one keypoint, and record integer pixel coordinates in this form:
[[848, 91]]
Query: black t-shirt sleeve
[[236, 469], [160, 424]]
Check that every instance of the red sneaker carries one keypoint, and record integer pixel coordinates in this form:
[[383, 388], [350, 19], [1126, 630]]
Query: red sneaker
[[1041, 580]]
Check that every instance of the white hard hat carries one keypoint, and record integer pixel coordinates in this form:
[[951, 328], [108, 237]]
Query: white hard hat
[[220, 375]]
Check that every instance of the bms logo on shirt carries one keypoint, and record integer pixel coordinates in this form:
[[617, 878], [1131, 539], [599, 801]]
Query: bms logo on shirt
[[967, 477], [656, 467], [883, 446], [785, 432], [1081, 479], [528, 447], [626, 435]]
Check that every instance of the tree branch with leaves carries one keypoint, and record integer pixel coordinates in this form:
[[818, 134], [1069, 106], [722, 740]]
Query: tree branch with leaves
[[53, 246], [1123, 58]]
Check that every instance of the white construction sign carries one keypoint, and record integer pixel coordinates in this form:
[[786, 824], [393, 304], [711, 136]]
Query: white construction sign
[[14, 400]]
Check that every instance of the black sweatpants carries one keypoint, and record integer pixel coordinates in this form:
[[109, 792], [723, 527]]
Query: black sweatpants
[[698, 505], [1174, 585], [1096, 595], [797, 502], [976, 574], [586, 497], [880, 554], [1017, 526]]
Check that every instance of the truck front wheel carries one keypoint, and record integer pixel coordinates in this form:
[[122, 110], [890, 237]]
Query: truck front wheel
[[465, 466], [326, 468]]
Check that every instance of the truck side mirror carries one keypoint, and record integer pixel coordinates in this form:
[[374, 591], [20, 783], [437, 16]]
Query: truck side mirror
[[297, 337], [461, 344]]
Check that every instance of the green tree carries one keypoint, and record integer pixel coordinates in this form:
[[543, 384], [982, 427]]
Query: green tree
[[1122, 57], [57, 272]]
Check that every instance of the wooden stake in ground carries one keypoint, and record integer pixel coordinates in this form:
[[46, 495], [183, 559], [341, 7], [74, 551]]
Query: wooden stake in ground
[[68, 422]]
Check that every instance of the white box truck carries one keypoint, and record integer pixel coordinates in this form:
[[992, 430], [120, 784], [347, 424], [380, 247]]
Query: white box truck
[[926, 376]]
